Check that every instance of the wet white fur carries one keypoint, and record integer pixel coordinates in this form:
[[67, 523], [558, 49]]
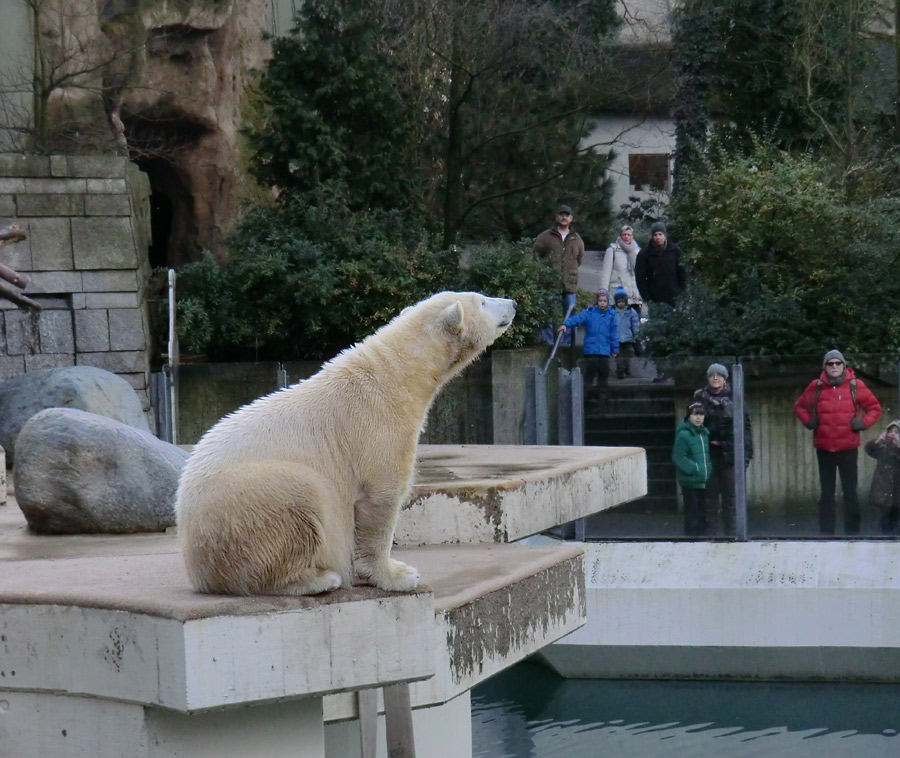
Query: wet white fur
[[298, 491]]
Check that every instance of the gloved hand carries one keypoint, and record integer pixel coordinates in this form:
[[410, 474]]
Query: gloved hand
[[857, 425], [813, 423]]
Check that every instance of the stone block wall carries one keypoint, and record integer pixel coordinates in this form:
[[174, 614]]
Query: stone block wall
[[87, 221]]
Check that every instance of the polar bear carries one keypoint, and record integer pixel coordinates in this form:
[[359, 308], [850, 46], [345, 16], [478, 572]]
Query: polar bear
[[298, 492]]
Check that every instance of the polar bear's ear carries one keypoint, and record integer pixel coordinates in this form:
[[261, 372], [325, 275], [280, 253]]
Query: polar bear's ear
[[452, 317]]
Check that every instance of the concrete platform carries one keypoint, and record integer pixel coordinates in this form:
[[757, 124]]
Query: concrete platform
[[503, 493], [103, 636]]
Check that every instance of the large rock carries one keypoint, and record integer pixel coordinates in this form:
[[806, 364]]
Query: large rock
[[84, 387], [78, 472]]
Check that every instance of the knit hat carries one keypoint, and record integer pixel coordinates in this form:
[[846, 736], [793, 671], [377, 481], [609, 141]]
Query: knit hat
[[658, 226], [564, 209], [694, 405], [832, 355], [717, 368], [621, 294], [605, 293]]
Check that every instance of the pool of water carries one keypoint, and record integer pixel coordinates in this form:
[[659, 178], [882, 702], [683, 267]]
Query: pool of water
[[529, 711]]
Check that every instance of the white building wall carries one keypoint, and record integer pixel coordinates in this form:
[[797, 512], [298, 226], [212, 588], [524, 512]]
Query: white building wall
[[629, 134], [15, 68], [645, 21]]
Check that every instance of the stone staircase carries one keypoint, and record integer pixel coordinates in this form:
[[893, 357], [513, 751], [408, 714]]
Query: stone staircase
[[639, 412]]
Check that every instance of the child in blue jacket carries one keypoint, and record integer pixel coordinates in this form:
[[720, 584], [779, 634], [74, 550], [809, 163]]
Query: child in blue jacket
[[601, 340]]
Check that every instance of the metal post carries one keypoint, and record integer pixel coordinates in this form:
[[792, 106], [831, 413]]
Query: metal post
[[577, 381], [564, 407], [536, 421], [529, 432], [559, 336], [160, 394], [173, 361], [281, 377], [740, 469]]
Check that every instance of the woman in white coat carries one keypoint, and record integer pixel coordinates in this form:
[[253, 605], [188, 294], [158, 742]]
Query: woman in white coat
[[618, 267]]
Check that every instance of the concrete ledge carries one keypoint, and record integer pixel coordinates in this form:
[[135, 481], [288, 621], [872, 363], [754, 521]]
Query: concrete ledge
[[494, 606], [816, 610], [128, 627], [502, 493], [113, 617]]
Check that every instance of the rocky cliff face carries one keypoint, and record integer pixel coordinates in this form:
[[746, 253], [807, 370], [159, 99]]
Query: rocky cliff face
[[170, 92], [182, 117]]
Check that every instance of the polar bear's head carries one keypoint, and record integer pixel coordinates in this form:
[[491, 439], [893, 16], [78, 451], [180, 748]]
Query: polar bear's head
[[464, 324]]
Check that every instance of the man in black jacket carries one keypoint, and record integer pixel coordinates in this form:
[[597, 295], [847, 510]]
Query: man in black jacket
[[658, 271]]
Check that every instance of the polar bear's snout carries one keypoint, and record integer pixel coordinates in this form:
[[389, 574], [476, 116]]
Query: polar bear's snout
[[502, 311]]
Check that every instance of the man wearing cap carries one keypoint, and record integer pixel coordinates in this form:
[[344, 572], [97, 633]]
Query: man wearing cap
[[837, 407], [658, 270], [562, 247], [718, 401]]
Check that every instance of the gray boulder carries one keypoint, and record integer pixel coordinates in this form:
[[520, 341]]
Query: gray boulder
[[78, 472], [84, 387]]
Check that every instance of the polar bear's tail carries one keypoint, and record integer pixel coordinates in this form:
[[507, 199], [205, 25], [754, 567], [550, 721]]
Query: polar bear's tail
[[271, 528]]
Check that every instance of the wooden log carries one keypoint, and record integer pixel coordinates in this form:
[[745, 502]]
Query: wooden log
[[11, 233], [13, 277], [19, 299]]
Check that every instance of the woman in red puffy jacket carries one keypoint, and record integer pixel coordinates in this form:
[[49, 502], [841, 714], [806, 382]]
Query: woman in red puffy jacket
[[837, 407]]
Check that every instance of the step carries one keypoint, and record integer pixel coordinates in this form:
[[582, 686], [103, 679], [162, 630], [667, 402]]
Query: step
[[603, 419], [648, 505], [626, 437]]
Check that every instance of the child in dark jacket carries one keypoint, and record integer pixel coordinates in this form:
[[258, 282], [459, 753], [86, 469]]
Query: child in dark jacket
[[629, 323], [885, 491], [690, 454], [601, 340]]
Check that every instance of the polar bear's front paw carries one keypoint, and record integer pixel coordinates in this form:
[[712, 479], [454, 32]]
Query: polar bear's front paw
[[394, 576]]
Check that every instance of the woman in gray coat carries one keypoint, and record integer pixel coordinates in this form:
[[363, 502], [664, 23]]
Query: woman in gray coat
[[618, 267]]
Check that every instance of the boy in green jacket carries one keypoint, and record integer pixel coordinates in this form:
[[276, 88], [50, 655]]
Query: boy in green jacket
[[690, 454]]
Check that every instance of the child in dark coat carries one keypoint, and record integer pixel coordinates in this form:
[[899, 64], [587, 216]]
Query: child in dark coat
[[690, 454], [629, 323], [885, 491]]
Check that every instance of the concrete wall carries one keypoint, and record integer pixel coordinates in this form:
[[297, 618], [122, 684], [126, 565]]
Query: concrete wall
[[87, 221], [484, 405], [813, 610]]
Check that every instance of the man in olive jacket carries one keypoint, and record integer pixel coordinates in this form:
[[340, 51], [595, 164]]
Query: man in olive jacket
[[561, 247]]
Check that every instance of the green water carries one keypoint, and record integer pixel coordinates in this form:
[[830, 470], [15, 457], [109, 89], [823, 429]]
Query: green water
[[529, 711]]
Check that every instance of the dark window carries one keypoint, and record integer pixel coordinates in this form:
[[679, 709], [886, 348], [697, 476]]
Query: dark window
[[648, 171]]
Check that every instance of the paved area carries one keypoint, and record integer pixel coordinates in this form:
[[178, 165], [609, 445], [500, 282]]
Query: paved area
[[144, 572]]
